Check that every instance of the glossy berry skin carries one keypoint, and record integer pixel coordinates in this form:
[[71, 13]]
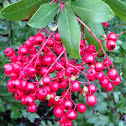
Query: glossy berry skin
[[9, 52], [58, 111], [72, 114], [91, 100], [29, 100], [43, 71], [99, 66], [107, 62], [8, 68], [112, 36], [54, 86], [104, 82], [92, 88], [30, 87], [47, 60], [57, 37], [39, 38], [63, 84], [99, 75], [62, 119], [69, 71], [19, 94], [50, 42], [91, 73], [67, 104], [58, 50], [75, 86], [117, 81], [110, 87], [41, 94], [89, 58], [91, 49], [110, 45], [106, 24], [112, 74], [29, 43], [81, 108], [32, 108], [46, 80]]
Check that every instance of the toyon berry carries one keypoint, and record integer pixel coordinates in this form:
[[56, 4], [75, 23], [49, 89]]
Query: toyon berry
[[40, 70]]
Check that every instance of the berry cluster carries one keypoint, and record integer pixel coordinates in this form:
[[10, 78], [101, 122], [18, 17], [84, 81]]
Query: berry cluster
[[41, 56]]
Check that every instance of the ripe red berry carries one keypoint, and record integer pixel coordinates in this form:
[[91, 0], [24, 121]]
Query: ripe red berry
[[68, 123], [104, 82], [8, 68], [81, 108], [112, 36], [106, 24], [75, 86], [110, 87], [107, 62], [99, 75], [117, 81], [47, 60], [54, 86], [30, 87], [99, 66], [67, 104], [39, 38], [63, 84], [89, 58], [50, 42], [91, 49], [46, 80], [41, 94], [110, 45], [9, 51], [29, 43], [29, 100], [72, 114], [32, 108], [92, 88], [112, 74], [57, 37], [91, 100], [58, 111], [43, 71]]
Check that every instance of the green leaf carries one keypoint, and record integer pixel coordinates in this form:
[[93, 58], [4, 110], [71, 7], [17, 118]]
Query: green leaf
[[121, 123], [119, 8], [32, 117], [69, 32], [92, 10], [43, 15], [98, 30], [102, 107], [119, 59], [21, 9], [5, 4]]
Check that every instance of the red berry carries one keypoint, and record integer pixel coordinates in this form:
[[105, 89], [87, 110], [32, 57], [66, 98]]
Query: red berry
[[91, 100], [30, 87], [50, 42], [9, 51], [110, 45], [72, 114], [99, 66], [112, 36], [67, 104], [99, 75], [92, 88], [41, 94], [8, 68], [47, 60], [107, 62], [29, 43], [75, 86], [57, 37], [117, 81], [104, 82], [63, 84], [91, 49], [39, 38], [112, 74], [89, 58], [106, 24], [29, 100], [110, 87], [58, 111], [54, 86], [32, 108], [46, 80], [81, 108]]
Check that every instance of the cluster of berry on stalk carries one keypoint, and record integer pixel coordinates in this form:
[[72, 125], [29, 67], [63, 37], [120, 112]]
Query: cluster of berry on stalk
[[43, 55]]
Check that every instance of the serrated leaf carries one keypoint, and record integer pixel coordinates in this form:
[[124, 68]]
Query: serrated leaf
[[69, 32], [119, 8], [98, 30], [43, 15], [22, 9], [92, 10]]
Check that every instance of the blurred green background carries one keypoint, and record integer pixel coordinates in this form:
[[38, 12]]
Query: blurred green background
[[111, 106]]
